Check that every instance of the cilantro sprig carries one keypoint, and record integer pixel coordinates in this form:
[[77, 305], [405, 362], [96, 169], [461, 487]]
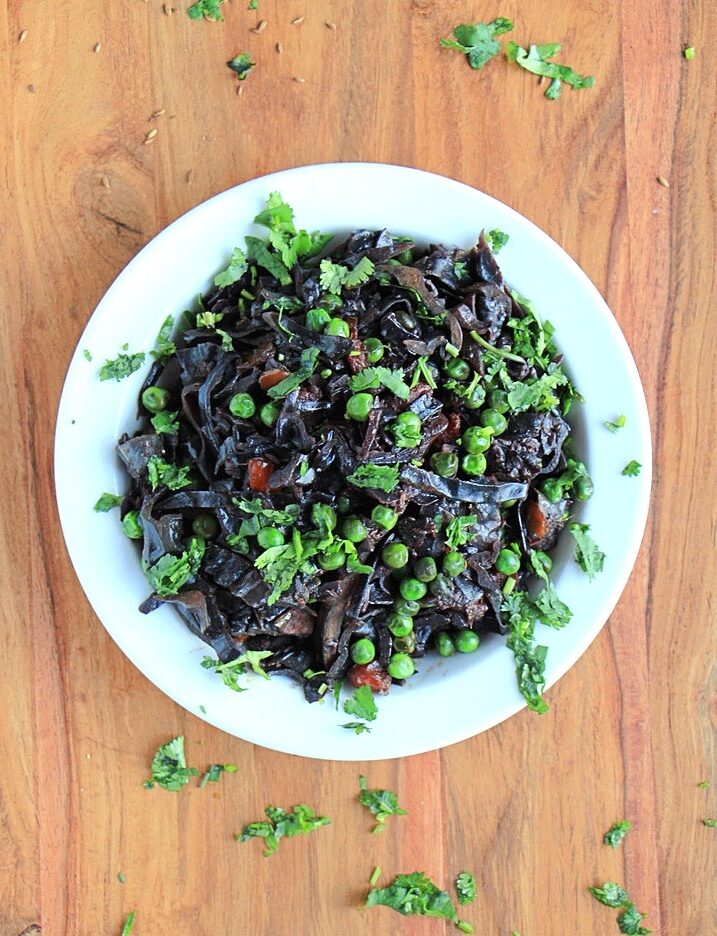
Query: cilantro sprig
[[362, 705], [588, 555], [616, 833], [241, 65], [334, 276], [231, 671], [381, 804], [170, 572], [206, 9], [631, 469], [371, 378], [536, 60], [478, 40], [122, 366], [107, 501], [282, 824], [370, 475], [160, 472], [416, 895], [614, 896], [169, 767], [465, 887]]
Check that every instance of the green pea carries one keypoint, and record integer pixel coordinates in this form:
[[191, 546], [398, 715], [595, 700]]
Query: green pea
[[384, 517], [406, 608], [205, 525], [269, 537], [269, 413], [476, 440], [242, 406], [317, 319], [466, 641], [363, 651], [337, 327], [444, 464], [444, 644], [359, 406], [494, 419], [395, 555], [332, 560], [507, 562], [498, 400], [405, 644], [553, 490], [400, 624], [584, 488], [374, 349], [474, 464], [453, 564], [412, 590], [155, 399], [354, 530], [401, 666], [457, 369], [131, 525], [409, 421], [425, 569], [441, 586], [323, 515], [475, 398]]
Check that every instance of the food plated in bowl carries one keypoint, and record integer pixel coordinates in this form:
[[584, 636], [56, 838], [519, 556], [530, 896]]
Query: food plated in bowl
[[354, 454]]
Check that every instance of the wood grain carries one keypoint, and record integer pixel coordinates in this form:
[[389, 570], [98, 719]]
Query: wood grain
[[631, 729]]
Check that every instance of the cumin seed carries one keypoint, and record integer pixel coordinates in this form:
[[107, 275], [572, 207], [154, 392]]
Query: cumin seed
[[279, 48], [97, 47], [330, 25], [158, 113], [260, 27], [151, 135], [663, 181], [22, 37], [299, 80], [298, 21], [105, 182], [189, 176]]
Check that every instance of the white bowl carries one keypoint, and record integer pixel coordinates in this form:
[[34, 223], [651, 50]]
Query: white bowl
[[448, 700]]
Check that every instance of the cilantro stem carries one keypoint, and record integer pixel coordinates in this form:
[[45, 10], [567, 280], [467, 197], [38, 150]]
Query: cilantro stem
[[499, 352], [373, 880]]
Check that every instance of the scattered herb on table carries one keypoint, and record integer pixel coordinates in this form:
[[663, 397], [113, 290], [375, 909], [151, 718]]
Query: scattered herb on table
[[629, 921], [416, 895], [497, 239], [214, 772], [107, 501], [465, 887], [381, 803], [610, 894], [632, 469], [478, 40], [704, 784], [618, 423], [710, 823], [128, 924], [253, 5], [282, 824], [689, 53], [614, 896], [587, 554], [169, 766], [241, 65], [122, 366], [535, 60], [233, 669], [121, 878], [614, 836], [206, 9]]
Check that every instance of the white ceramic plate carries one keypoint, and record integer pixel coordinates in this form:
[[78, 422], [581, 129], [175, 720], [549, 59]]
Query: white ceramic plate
[[449, 700]]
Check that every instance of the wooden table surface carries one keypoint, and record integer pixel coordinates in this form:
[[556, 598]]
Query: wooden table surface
[[631, 729]]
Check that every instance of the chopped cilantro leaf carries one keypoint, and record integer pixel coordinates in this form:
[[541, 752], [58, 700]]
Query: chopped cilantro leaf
[[169, 766], [587, 554], [617, 833], [258, 251], [121, 878], [241, 64], [362, 704], [166, 422], [214, 772], [529, 658], [465, 887], [381, 803], [535, 60], [206, 9], [710, 823], [619, 423], [122, 366], [381, 477], [610, 894], [289, 243], [107, 502], [632, 469], [370, 378], [170, 573], [253, 5], [704, 785], [171, 476], [282, 824], [234, 271], [128, 924], [87, 355], [477, 40], [358, 727], [629, 921], [334, 276], [414, 895], [536, 395], [164, 347], [231, 671], [689, 53], [458, 530], [497, 239]]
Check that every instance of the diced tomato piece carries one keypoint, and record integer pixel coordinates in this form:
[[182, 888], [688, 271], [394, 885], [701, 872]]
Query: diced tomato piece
[[372, 675], [536, 521], [258, 473], [271, 378]]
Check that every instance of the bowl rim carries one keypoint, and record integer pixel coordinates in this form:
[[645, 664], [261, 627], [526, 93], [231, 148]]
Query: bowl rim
[[640, 432]]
